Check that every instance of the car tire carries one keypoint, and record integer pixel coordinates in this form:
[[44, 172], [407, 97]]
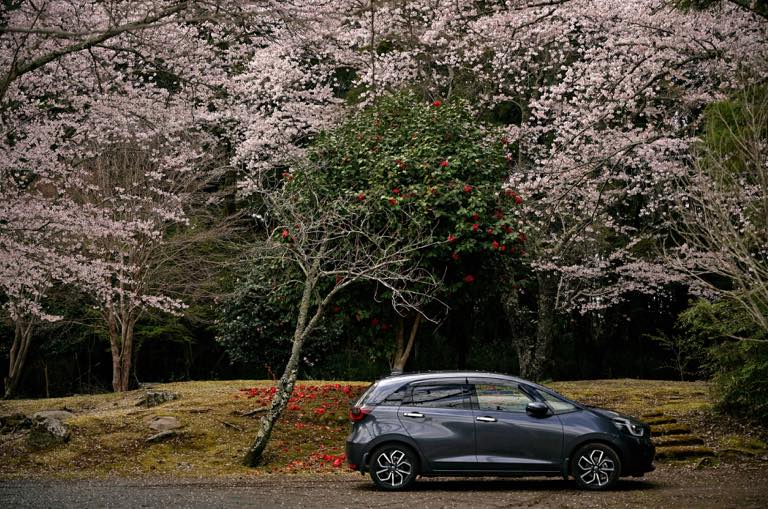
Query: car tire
[[393, 467], [596, 467]]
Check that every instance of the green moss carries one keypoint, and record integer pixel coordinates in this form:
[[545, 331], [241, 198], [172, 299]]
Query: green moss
[[744, 442]]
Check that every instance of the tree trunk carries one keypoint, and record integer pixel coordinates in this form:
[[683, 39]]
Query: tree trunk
[[545, 326], [121, 345], [403, 350], [22, 337], [533, 349], [286, 382]]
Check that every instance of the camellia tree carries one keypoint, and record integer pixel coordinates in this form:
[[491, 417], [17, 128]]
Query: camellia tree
[[436, 166], [400, 198]]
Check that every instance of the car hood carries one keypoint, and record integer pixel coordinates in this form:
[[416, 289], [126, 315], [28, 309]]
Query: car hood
[[610, 414]]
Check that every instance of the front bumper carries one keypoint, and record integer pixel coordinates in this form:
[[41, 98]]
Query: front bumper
[[639, 453]]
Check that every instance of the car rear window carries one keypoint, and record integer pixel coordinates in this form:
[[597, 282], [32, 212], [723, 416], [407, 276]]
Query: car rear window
[[366, 396]]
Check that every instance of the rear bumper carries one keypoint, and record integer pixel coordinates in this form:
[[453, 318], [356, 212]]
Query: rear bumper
[[356, 455]]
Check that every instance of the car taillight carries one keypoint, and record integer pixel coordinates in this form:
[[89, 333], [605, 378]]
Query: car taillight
[[357, 414]]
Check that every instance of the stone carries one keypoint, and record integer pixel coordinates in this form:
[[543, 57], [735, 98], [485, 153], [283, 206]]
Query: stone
[[10, 422], [163, 435], [164, 423], [62, 415], [154, 398], [47, 432]]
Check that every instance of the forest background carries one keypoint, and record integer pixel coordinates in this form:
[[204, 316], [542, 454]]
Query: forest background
[[558, 189]]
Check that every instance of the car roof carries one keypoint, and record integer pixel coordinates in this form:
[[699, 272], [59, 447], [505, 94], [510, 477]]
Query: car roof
[[405, 378]]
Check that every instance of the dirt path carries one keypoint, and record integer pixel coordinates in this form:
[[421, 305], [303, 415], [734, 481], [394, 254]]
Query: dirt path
[[733, 484]]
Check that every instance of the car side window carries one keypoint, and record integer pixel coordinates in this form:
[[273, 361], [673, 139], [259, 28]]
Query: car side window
[[440, 396], [505, 398], [558, 405]]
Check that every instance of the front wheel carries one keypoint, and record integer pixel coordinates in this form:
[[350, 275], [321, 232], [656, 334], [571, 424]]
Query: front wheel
[[596, 467], [393, 467]]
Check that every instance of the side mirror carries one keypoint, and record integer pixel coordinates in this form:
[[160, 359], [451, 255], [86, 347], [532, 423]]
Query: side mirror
[[537, 409]]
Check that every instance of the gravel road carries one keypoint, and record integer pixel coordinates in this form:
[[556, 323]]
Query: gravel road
[[730, 485]]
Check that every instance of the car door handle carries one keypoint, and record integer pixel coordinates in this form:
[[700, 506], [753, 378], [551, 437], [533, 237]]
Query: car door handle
[[485, 419], [417, 415]]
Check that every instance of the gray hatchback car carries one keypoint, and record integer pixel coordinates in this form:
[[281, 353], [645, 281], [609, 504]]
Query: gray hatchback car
[[472, 423]]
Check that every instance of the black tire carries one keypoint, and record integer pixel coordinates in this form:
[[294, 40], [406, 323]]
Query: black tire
[[394, 467], [596, 467]]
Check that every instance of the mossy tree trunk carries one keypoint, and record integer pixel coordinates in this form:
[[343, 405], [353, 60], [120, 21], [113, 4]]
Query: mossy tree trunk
[[403, 349], [304, 326], [533, 346], [22, 338]]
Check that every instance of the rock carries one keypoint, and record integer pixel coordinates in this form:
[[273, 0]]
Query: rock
[[705, 462], [62, 415], [670, 429], [10, 422], [47, 432], [163, 435], [668, 440], [154, 398], [683, 451], [164, 423]]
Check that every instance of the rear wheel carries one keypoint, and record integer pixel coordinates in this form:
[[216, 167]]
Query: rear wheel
[[393, 467], [596, 467]]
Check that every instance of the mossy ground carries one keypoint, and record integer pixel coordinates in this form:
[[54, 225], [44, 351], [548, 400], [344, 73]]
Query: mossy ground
[[109, 430]]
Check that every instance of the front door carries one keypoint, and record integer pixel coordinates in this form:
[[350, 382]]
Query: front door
[[438, 416], [508, 438]]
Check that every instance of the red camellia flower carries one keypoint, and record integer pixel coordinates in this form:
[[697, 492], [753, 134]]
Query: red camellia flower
[[503, 248], [374, 323], [475, 217], [337, 462], [444, 164], [475, 227], [522, 237], [361, 196], [451, 238], [518, 200], [508, 229], [396, 190], [468, 188], [469, 278], [320, 411], [455, 256], [499, 214], [437, 104], [392, 201], [285, 234], [494, 245], [489, 231]]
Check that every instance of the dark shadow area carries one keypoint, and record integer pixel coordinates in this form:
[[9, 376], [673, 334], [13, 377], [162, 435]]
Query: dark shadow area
[[512, 484]]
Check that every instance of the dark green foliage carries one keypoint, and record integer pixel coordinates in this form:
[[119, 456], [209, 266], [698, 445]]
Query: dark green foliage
[[738, 356]]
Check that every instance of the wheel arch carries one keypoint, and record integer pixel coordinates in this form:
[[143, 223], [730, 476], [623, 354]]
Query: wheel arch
[[396, 440], [595, 440]]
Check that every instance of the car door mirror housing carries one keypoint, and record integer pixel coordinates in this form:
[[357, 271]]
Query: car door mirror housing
[[537, 409]]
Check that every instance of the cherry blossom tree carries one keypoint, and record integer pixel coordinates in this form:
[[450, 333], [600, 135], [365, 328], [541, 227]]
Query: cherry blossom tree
[[723, 213], [81, 83]]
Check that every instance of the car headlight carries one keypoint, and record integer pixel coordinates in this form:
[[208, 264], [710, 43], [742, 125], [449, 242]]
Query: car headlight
[[625, 424]]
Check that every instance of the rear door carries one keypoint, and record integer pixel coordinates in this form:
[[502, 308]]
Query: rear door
[[438, 416], [508, 438]]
